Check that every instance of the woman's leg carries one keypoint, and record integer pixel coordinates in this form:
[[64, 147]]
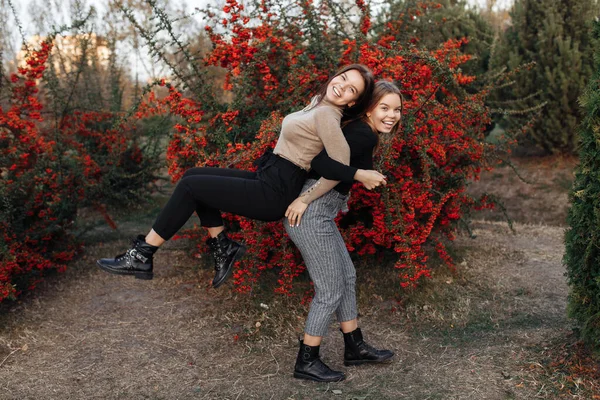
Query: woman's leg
[[208, 191], [155, 239], [347, 312], [205, 190], [313, 239], [356, 350], [201, 210], [349, 326]]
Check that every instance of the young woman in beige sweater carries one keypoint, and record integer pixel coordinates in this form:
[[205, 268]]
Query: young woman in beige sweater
[[265, 194]]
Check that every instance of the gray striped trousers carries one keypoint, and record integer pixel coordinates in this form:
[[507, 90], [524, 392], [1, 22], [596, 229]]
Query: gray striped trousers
[[327, 261]]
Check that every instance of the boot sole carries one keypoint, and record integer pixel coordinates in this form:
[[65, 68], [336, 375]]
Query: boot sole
[[360, 362], [239, 254], [137, 274], [299, 375]]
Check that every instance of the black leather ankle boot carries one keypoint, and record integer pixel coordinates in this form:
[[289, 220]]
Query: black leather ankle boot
[[309, 366], [357, 351], [136, 261], [225, 252]]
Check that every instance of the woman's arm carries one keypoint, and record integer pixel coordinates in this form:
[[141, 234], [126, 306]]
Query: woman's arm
[[327, 128], [328, 168], [362, 141]]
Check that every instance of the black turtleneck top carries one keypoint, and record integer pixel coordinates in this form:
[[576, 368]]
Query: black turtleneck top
[[362, 140]]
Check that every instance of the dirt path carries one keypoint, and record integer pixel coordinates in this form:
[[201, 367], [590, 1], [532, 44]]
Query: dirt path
[[474, 335]]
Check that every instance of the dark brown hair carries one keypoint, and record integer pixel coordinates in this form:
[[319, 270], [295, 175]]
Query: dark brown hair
[[361, 102]]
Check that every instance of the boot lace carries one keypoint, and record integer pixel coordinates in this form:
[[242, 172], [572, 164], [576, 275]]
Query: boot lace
[[127, 257], [121, 257]]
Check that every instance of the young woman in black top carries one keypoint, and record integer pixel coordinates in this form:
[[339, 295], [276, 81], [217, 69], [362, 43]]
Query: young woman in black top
[[314, 231]]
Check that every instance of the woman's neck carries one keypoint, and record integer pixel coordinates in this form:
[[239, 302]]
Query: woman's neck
[[327, 102], [368, 122]]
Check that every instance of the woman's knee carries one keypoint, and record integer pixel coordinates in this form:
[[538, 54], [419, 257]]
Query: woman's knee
[[191, 172], [329, 298], [184, 184]]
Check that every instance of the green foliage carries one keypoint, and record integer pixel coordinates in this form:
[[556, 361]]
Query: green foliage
[[556, 35], [582, 239], [437, 22], [84, 87]]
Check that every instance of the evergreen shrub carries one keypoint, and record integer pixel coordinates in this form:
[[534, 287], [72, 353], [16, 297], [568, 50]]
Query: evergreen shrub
[[582, 238]]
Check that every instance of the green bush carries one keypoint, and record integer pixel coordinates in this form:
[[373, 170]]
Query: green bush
[[582, 239], [556, 37]]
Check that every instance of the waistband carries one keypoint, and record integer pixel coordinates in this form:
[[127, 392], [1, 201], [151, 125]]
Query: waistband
[[269, 158]]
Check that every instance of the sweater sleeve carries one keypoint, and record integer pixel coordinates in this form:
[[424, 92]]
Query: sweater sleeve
[[361, 141], [327, 128], [328, 168]]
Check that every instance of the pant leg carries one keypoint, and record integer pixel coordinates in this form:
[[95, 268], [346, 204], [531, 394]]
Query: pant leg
[[208, 215], [315, 238], [347, 309], [241, 193]]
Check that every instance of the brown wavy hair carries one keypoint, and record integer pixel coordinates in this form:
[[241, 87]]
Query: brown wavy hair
[[360, 105]]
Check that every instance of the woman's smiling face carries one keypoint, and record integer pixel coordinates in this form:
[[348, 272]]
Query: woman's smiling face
[[386, 114], [345, 88]]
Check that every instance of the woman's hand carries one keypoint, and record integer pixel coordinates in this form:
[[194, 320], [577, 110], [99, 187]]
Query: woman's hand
[[295, 211], [370, 178]]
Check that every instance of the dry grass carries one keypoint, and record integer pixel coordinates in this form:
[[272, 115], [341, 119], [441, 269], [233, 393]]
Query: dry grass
[[542, 199], [484, 332]]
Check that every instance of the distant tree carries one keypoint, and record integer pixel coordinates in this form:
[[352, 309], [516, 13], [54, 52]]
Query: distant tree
[[556, 35], [428, 24]]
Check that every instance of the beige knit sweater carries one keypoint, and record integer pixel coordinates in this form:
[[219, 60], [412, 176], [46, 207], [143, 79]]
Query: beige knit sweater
[[303, 136]]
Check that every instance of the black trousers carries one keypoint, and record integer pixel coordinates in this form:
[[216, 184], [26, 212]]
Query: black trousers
[[263, 195]]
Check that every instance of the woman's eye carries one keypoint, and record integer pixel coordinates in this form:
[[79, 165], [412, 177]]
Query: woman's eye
[[344, 77]]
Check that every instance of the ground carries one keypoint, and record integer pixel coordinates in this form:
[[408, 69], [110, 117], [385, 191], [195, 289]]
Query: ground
[[496, 328]]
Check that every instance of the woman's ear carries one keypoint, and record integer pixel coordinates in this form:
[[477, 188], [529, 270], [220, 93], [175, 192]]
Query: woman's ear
[[351, 104]]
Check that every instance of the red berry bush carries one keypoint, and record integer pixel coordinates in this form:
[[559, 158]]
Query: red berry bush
[[51, 165], [275, 55]]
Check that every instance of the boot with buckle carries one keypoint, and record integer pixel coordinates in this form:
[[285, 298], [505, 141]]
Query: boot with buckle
[[309, 366], [136, 261], [357, 351], [225, 252]]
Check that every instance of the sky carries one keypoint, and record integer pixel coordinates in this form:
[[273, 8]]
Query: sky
[[22, 6], [138, 65]]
